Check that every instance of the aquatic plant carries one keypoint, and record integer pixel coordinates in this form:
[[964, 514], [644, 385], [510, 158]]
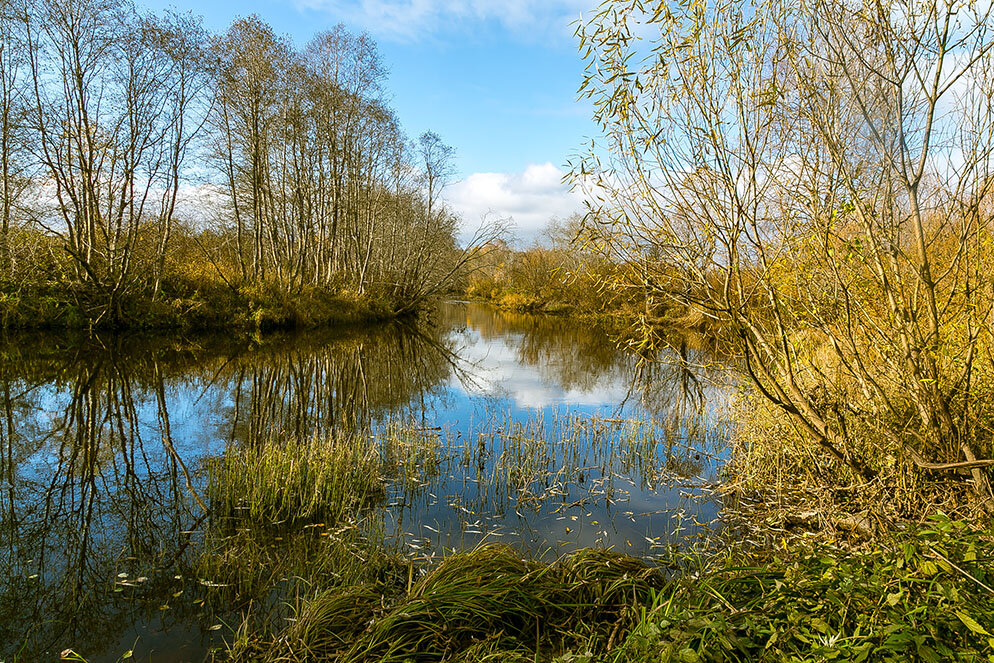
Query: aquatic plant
[[293, 480], [411, 454]]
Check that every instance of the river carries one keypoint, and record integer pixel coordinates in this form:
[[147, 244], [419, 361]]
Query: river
[[543, 434]]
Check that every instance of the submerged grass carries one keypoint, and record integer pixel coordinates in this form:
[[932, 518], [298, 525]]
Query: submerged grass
[[411, 455], [291, 538], [538, 459]]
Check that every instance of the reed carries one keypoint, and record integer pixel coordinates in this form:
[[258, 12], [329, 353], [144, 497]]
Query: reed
[[274, 482], [412, 454]]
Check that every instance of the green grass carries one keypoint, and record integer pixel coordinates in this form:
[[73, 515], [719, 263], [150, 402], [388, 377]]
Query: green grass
[[922, 596], [474, 606], [925, 595], [279, 481]]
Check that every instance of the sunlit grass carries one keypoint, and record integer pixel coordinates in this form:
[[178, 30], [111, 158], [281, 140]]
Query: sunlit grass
[[925, 595], [411, 455], [336, 586], [296, 480]]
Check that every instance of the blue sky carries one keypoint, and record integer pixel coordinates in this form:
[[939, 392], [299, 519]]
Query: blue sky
[[495, 79]]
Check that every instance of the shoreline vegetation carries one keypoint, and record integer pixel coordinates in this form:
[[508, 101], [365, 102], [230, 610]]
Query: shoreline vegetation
[[153, 174], [920, 593], [249, 308], [565, 273], [922, 596]]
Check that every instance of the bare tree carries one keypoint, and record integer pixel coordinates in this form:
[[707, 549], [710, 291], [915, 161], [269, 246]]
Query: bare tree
[[816, 180], [13, 105], [111, 89], [250, 77], [101, 110], [181, 41]]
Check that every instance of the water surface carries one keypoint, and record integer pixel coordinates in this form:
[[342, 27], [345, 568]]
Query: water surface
[[544, 436]]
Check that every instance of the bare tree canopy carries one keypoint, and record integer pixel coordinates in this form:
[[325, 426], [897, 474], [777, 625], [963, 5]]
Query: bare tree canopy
[[142, 156], [815, 179]]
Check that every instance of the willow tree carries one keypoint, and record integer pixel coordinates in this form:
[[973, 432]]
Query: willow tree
[[815, 179]]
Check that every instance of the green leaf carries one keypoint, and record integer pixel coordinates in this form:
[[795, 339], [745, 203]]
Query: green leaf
[[971, 623]]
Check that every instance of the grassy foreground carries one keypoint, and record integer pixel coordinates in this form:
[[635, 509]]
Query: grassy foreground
[[924, 596], [923, 593]]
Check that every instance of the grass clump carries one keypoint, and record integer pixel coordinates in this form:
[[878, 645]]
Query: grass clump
[[485, 604], [297, 480], [925, 595]]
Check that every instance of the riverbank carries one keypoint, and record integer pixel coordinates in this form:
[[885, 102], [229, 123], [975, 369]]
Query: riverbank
[[924, 591], [922, 595], [289, 492], [628, 323], [212, 307]]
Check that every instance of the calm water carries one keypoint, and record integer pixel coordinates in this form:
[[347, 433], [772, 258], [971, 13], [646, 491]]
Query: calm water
[[105, 448]]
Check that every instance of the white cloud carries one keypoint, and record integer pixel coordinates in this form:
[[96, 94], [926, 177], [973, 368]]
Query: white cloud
[[498, 370], [530, 198], [414, 19]]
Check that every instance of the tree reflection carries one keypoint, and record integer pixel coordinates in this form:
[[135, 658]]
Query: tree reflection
[[676, 384], [573, 355], [105, 443], [103, 480], [91, 495]]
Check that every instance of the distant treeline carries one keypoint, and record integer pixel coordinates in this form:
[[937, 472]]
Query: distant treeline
[[149, 168], [568, 271]]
